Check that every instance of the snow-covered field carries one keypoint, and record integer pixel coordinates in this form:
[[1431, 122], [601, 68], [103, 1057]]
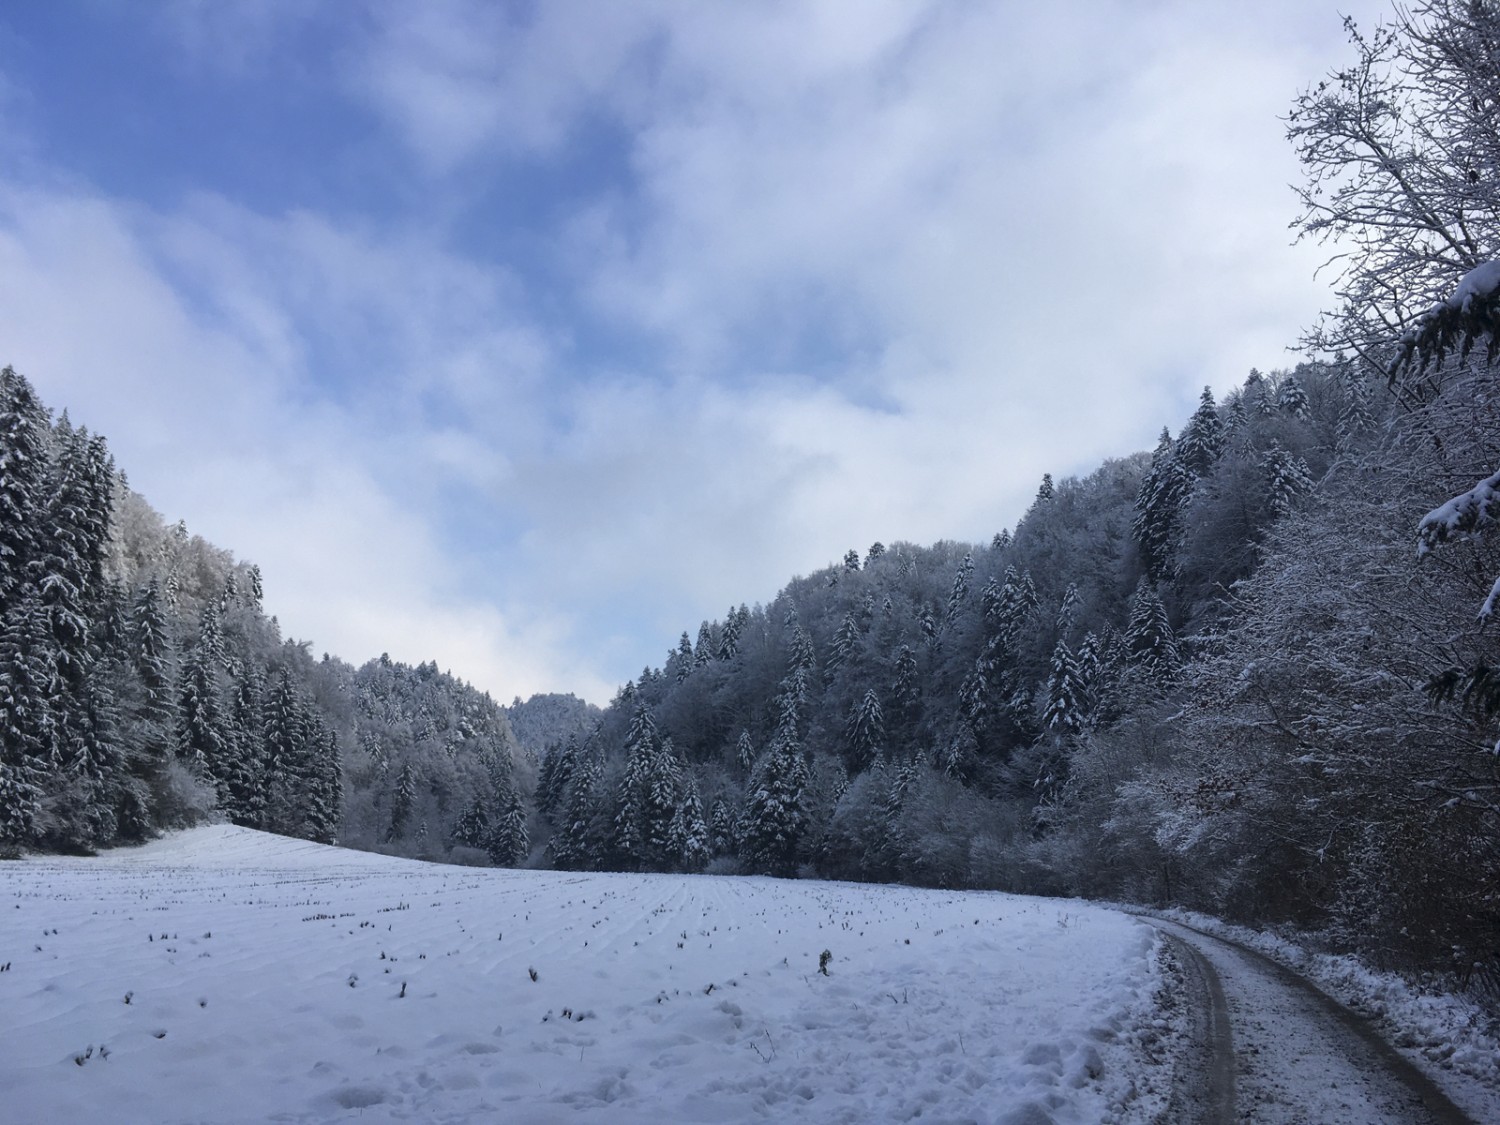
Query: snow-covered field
[[224, 975]]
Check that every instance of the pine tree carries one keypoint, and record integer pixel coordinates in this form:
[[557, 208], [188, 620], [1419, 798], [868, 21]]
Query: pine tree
[[775, 818], [1292, 399], [877, 549], [906, 687], [284, 754], [557, 770], [1202, 440], [1067, 612], [647, 796], [959, 593], [508, 841], [1287, 479], [575, 846], [851, 560], [864, 733], [1257, 394], [472, 828], [704, 650], [729, 634], [242, 785], [402, 801], [722, 837], [1355, 417], [845, 645], [202, 740], [23, 475], [682, 659], [29, 755], [1045, 491], [1064, 711], [1149, 639], [1158, 509], [744, 752], [690, 840], [321, 769]]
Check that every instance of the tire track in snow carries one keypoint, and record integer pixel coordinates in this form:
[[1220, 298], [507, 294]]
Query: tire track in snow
[[1296, 1056]]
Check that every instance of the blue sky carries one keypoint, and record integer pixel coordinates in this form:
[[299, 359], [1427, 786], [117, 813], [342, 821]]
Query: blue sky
[[525, 336]]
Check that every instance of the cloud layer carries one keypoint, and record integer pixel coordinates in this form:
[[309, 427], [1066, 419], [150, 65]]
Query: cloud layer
[[634, 311]]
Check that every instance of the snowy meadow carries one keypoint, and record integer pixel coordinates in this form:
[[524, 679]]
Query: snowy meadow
[[224, 975]]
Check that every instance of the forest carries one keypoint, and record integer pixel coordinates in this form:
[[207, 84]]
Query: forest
[[1249, 672]]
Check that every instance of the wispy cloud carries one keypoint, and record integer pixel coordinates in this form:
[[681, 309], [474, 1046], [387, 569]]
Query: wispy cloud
[[806, 275]]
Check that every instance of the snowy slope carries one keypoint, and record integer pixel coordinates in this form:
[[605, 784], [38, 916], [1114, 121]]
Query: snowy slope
[[225, 975]]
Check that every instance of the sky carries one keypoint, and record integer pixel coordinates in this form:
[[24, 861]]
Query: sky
[[523, 337]]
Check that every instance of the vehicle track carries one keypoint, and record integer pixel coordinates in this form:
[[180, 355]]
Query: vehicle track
[[1276, 1050]]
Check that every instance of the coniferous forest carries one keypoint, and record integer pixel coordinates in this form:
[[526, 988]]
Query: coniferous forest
[[1216, 674]]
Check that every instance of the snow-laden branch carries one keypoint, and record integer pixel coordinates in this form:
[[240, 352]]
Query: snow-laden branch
[[1468, 511], [1470, 313]]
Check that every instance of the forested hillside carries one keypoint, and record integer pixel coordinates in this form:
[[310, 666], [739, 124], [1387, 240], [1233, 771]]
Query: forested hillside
[[142, 687], [1216, 674]]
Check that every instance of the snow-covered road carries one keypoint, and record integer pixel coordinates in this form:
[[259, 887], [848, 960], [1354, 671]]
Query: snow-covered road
[[1276, 1051]]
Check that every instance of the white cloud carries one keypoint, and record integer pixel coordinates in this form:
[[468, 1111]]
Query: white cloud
[[890, 262], [211, 410]]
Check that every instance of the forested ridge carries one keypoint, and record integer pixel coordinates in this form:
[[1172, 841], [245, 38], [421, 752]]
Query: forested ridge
[[1215, 674]]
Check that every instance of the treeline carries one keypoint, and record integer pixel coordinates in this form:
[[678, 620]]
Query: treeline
[[1200, 676], [142, 687]]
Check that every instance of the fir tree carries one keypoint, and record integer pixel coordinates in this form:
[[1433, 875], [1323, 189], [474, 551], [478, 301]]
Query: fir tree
[[845, 644], [402, 801], [1292, 399], [906, 687], [1158, 509], [29, 755], [23, 474], [1149, 639], [689, 835], [721, 828], [744, 752], [864, 733], [1287, 479], [1202, 440], [959, 593], [1064, 711], [775, 817]]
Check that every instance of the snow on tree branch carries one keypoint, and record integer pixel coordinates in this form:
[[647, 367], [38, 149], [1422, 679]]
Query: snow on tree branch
[[1470, 313]]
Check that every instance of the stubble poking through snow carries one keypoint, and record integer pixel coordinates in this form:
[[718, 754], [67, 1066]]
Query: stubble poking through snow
[[224, 975]]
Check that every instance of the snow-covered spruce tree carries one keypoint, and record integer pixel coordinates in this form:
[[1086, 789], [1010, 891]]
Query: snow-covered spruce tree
[[557, 770], [1064, 711], [845, 644], [29, 755], [285, 756], [1149, 639], [864, 733], [1202, 440], [242, 782], [1287, 478], [1291, 398], [1158, 509], [508, 840], [647, 797], [775, 817], [202, 739], [577, 845], [689, 835], [23, 467], [402, 800]]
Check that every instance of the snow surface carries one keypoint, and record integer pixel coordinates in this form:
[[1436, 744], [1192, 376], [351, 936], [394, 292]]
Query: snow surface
[[224, 975], [1453, 1039]]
